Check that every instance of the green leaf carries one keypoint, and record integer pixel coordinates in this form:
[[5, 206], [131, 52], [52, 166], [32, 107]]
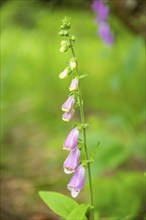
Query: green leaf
[[78, 213], [58, 203]]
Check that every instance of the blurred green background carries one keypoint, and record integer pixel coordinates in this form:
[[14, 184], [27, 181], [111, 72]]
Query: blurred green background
[[32, 131]]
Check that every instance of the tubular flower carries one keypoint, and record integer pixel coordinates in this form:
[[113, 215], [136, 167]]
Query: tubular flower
[[68, 105], [67, 116], [71, 141], [74, 85], [77, 181], [71, 162]]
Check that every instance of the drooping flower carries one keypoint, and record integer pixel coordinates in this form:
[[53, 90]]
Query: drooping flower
[[71, 141], [74, 85], [71, 162], [67, 116], [68, 105], [100, 9], [105, 33], [77, 181]]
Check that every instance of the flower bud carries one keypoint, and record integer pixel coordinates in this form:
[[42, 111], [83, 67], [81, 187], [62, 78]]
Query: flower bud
[[68, 105], [67, 116], [65, 73], [71, 141], [74, 85], [77, 181], [64, 42], [71, 162], [73, 63], [64, 48], [65, 45], [63, 33]]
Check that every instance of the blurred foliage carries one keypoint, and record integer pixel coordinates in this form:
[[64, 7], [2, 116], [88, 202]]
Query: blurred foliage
[[31, 96]]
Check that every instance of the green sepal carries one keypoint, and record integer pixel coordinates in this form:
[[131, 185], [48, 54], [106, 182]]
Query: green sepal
[[80, 144], [81, 126], [73, 38], [84, 163], [85, 125], [83, 76]]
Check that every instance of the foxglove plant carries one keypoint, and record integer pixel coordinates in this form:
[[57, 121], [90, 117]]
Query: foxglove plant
[[60, 204], [102, 13]]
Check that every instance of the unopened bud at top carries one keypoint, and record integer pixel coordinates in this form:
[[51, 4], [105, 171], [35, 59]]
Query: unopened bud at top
[[74, 84], [66, 23]]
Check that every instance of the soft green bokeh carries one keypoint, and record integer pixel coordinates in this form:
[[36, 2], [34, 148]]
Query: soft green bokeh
[[32, 95]]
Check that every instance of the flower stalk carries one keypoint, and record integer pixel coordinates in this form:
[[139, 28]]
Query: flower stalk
[[82, 115], [72, 142]]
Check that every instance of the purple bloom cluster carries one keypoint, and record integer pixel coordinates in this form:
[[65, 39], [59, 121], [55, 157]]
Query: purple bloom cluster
[[102, 12], [71, 163]]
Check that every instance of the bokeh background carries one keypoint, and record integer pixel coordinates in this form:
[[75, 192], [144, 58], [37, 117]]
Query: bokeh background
[[32, 131]]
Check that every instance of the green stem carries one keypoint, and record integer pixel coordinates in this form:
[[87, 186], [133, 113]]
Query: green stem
[[84, 137]]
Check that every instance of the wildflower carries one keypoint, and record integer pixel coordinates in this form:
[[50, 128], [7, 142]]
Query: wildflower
[[77, 181], [68, 105], [71, 162], [67, 116], [101, 9], [71, 141], [74, 85], [105, 33]]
